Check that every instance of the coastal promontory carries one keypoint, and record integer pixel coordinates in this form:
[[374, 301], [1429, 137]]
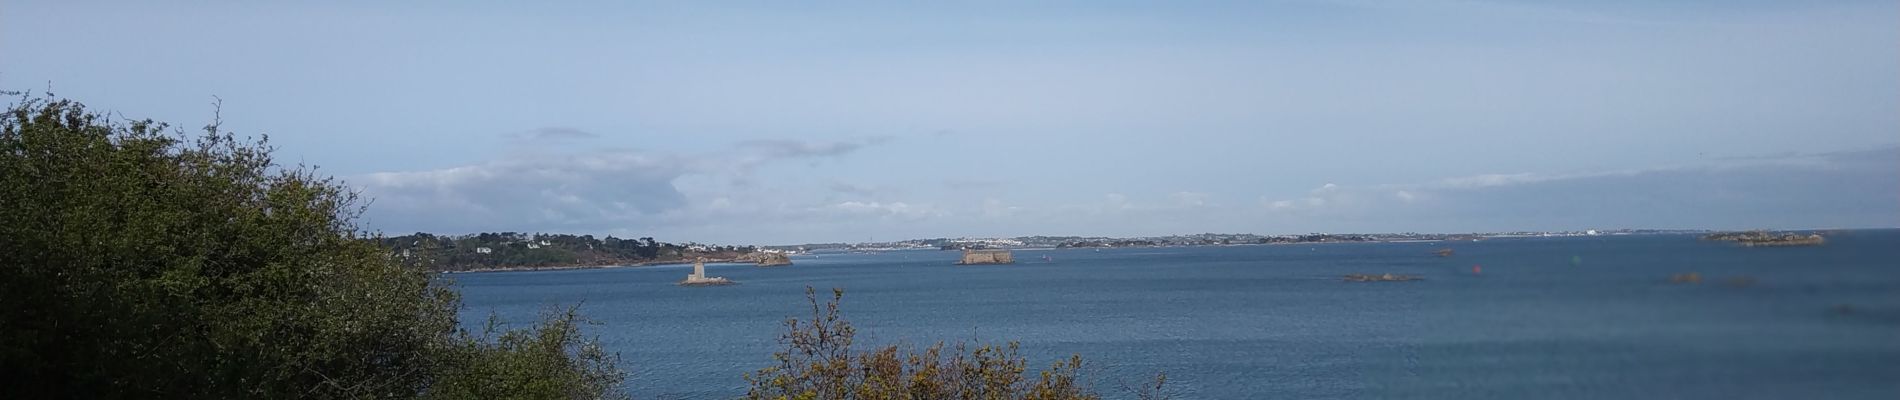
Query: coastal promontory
[[1767, 239], [767, 259]]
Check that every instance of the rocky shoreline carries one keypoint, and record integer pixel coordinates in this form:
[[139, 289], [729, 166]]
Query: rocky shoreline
[[590, 266], [760, 259], [764, 259], [1767, 239]]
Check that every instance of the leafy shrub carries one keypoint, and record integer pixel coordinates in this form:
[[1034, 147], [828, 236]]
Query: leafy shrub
[[552, 360], [140, 262], [818, 363]]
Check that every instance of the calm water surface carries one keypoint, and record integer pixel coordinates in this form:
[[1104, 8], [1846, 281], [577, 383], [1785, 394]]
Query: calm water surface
[[1583, 317]]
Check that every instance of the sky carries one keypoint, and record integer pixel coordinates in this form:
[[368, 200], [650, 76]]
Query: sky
[[783, 122]]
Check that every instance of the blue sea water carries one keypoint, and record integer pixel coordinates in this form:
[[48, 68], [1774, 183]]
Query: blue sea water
[[1568, 318]]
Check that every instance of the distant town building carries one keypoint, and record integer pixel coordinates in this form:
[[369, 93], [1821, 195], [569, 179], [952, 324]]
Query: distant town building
[[484, 250]]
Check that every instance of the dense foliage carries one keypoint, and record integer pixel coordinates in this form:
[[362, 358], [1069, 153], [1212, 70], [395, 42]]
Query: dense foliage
[[551, 361], [523, 250], [141, 262], [819, 363]]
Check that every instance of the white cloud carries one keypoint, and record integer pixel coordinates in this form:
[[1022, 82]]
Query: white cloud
[[663, 195], [588, 191], [532, 191]]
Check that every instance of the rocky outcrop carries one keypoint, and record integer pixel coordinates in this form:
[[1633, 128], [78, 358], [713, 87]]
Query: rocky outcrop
[[1767, 239], [1785, 240], [1379, 278], [1689, 278], [774, 260], [978, 257], [713, 281]]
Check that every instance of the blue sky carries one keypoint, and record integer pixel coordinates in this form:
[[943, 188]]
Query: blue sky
[[789, 123]]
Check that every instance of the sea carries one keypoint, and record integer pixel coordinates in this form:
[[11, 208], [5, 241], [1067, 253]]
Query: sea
[[1593, 317]]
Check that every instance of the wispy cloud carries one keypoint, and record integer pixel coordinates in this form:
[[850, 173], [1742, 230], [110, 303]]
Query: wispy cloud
[[798, 148], [787, 148], [850, 189], [1836, 189], [551, 133], [749, 154], [892, 210], [961, 184]]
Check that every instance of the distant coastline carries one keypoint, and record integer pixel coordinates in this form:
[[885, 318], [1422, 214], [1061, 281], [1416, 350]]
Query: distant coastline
[[1768, 238], [568, 252], [588, 266], [733, 260], [1204, 239]]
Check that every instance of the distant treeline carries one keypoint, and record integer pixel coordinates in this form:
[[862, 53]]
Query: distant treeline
[[509, 250]]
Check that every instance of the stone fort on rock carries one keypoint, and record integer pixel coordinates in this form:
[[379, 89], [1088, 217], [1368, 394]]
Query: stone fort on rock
[[993, 256], [699, 278]]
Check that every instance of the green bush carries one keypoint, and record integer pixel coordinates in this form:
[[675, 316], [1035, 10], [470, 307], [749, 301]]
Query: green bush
[[818, 363], [549, 361], [141, 262]]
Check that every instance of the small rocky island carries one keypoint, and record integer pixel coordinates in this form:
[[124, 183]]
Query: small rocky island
[[1688, 278], [699, 278], [1379, 278], [1767, 239], [990, 256]]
